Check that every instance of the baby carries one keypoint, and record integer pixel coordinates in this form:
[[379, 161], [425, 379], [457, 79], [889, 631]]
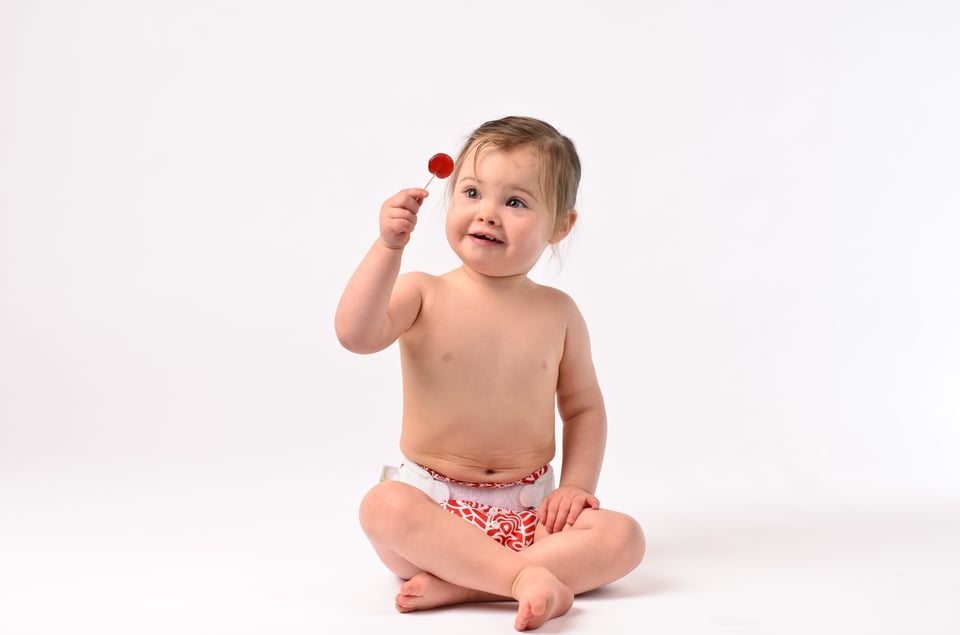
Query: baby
[[488, 357]]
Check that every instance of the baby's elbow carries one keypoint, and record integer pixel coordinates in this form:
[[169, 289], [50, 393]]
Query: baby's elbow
[[351, 340], [347, 334], [356, 340], [347, 342]]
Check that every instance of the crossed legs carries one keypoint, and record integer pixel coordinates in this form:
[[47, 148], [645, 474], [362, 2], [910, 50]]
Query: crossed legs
[[445, 560]]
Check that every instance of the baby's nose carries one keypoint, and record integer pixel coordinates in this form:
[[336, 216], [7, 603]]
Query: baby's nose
[[486, 216]]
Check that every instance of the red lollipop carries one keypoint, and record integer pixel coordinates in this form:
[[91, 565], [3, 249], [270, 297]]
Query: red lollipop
[[440, 165]]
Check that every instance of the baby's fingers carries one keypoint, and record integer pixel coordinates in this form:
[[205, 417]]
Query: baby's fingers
[[411, 198], [548, 513], [579, 504], [557, 510], [407, 200]]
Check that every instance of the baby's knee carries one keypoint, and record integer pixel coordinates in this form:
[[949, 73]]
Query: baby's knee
[[385, 506], [625, 532], [638, 541]]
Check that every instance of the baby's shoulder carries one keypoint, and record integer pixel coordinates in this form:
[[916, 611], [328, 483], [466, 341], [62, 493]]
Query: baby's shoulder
[[416, 277], [556, 298], [416, 280]]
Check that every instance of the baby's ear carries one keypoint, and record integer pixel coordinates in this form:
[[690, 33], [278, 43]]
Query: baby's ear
[[564, 227]]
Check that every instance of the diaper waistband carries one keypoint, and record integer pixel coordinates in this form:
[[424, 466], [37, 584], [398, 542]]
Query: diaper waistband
[[514, 497]]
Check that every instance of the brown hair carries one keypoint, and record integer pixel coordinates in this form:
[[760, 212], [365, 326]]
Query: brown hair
[[560, 171]]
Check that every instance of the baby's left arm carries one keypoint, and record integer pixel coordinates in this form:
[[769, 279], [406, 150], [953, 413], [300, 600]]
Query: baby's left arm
[[581, 407]]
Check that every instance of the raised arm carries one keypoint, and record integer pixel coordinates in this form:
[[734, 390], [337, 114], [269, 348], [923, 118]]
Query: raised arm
[[376, 307]]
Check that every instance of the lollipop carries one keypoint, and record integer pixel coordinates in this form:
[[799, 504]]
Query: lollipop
[[440, 165]]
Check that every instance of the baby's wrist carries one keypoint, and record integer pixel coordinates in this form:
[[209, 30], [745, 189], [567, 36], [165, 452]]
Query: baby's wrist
[[383, 242]]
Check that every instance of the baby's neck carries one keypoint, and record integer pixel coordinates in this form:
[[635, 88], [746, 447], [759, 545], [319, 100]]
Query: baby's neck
[[498, 284]]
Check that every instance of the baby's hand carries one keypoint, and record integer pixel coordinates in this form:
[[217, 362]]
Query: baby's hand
[[563, 505], [398, 216]]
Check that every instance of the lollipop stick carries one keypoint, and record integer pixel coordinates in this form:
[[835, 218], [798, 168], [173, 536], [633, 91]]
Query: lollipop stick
[[430, 181], [420, 200]]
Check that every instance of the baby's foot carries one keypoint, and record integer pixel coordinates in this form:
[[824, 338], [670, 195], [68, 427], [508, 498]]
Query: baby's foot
[[541, 596], [425, 591]]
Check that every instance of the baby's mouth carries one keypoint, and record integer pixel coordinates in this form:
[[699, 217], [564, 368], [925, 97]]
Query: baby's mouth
[[488, 237]]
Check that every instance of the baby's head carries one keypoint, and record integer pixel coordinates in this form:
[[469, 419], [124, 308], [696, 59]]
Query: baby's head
[[560, 165]]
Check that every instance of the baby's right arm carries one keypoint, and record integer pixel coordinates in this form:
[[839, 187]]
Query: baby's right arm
[[374, 308]]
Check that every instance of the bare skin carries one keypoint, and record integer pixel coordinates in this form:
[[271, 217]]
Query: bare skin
[[611, 542], [426, 591], [540, 596], [412, 534], [488, 356]]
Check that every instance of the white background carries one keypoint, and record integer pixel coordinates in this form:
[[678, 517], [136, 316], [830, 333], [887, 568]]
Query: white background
[[766, 256]]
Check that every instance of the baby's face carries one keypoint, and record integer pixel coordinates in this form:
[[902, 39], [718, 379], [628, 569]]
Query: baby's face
[[498, 221]]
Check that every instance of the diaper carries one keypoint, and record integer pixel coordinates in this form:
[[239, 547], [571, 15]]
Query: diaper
[[506, 512]]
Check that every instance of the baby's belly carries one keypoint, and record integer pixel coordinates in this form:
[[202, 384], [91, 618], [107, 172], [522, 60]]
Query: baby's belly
[[499, 459]]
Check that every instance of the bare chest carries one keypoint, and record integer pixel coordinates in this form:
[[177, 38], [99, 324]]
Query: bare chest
[[497, 347]]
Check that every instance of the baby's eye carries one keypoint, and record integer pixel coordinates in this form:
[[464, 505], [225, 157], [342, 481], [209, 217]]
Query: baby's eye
[[516, 202], [471, 192]]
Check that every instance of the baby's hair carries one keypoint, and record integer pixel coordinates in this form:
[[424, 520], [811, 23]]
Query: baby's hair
[[560, 174]]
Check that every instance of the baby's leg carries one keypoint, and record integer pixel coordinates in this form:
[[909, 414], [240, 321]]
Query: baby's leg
[[411, 533], [534, 588], [427, 591], [611, 542]]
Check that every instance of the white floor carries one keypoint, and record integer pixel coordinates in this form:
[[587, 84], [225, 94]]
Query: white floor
[[263, 550]]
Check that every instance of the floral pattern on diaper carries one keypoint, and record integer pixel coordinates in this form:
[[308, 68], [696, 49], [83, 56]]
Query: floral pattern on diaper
[[513, 530]]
